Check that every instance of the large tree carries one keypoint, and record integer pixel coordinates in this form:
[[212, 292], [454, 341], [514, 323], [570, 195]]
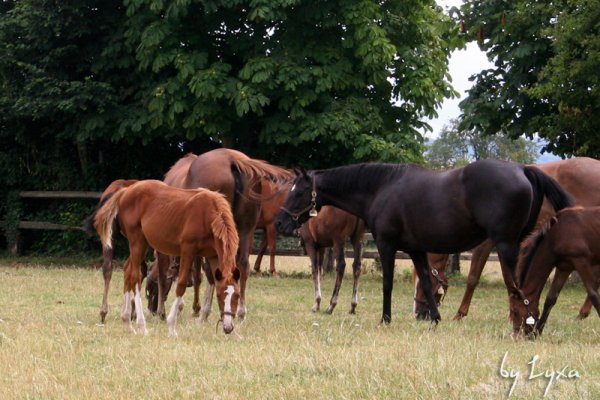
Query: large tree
[[321, 83], [546, 56]]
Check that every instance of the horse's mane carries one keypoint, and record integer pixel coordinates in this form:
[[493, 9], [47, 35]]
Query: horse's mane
[[177, 174], [223, 228], [255, 170], [528, 250], [364, 176]]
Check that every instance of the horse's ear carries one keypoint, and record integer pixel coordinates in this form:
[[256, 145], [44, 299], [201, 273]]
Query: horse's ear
[[236, 274], [300, 171], [218, 275]]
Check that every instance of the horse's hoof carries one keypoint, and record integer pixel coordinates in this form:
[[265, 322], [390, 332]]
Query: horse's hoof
[[329, 310], [581, 317], [459, 316]]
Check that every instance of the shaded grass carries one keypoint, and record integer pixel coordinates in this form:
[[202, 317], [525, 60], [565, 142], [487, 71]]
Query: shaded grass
[[51, 346]]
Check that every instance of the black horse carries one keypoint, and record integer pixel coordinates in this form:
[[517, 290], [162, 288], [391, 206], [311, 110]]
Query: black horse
[[416, 210]]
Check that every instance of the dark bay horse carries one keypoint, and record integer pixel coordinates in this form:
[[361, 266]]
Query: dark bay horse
[[579, 176], [239, 178], [332, 227], [411, 208], [571, 242], [274, 199], [175, 222], [107, 252]]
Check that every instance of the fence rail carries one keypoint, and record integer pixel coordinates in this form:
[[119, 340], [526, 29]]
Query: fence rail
[[45, 225]]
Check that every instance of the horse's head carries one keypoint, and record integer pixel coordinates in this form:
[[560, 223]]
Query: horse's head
[[301, 204], [228, 295], [439, 287], [524, 315]]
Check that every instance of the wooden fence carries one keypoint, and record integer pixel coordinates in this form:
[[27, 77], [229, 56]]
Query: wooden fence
[[44, 225]]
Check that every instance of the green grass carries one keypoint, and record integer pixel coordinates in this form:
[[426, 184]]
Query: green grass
[[51, 346]]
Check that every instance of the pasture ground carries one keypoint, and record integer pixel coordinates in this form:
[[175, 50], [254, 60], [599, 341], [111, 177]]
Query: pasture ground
[[52, 347]]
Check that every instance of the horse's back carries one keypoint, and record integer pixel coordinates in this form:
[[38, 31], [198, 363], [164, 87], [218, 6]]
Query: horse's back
[[579, 176]]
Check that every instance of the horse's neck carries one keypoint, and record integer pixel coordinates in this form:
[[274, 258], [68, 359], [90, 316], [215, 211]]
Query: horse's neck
[[355, 203], [539, 270]]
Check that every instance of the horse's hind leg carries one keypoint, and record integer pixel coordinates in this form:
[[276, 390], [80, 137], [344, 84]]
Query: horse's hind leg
[[271, 235], [262, 248], [586, 307], [589, 280], [107, 270], [338, 249], [132, 286], [210, 288], [560, 277], [186, 259], [197, 279], [479, 257]]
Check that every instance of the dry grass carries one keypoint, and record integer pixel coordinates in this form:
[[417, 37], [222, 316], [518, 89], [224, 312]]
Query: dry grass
[[52, 348]]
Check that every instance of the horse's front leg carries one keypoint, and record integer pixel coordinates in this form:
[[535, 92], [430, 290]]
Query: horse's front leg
[[107, 269], [387, 255], [560, 277], [422, 267], [356, 269]]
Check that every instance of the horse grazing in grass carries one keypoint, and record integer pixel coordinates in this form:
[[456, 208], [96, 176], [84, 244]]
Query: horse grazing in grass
[[274, 199], [108, 252], [411, 208], [239, 178], [579, 176], [439, 284], [332, 227], [571, 242], [175, 222]]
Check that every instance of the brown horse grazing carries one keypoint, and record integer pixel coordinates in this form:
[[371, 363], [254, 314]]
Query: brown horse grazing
[[332, 227], [580, 177], [107, 252], [175, 222], [439, 284], [238, 178], [266, 221], [571, 242]]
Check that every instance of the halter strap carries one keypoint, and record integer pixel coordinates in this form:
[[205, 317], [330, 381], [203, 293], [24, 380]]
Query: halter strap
[[311, 207]]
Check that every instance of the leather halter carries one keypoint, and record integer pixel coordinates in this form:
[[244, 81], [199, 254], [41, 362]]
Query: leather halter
[[312, 207]]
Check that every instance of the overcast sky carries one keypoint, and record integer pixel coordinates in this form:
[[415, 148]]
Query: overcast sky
[[463, 64]]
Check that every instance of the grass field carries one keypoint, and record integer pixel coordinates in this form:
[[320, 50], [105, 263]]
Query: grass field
[[52, 347]]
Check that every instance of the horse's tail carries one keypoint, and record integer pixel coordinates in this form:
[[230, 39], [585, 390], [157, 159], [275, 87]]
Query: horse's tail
[[178, 173], [87, 225], [529, 248], [223, 229], [105, 216], [544, 186]]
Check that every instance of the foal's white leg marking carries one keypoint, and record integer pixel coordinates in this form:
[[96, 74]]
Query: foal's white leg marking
[[208, 295], [126, 314], [415, 297], [172, 318], [227, 318], [139, 311], [317, 281]]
